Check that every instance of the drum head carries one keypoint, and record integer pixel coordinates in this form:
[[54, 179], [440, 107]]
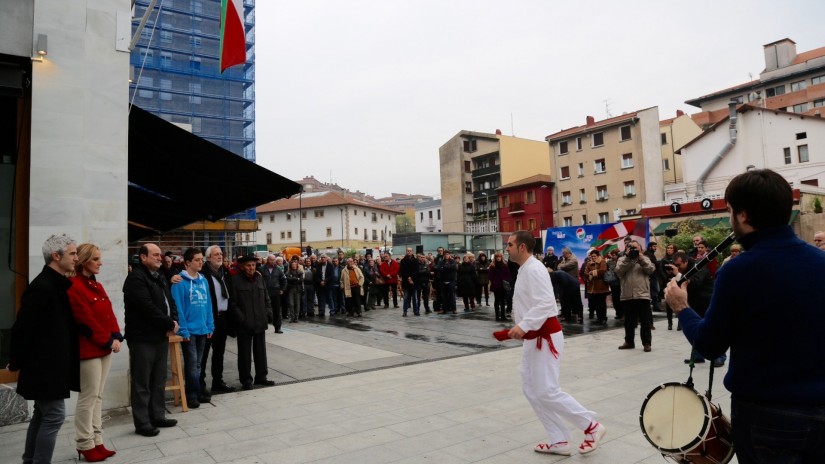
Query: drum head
[[674, 418]]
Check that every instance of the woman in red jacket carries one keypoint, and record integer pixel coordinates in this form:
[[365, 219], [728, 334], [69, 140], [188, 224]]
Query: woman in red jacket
[[99, 337]]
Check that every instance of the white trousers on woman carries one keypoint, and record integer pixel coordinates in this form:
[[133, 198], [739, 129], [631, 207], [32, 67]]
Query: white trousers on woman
[[540, 382], [87, 420]]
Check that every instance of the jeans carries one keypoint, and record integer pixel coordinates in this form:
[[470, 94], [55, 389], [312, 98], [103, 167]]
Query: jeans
[[422, 291], [778, 433], [41, 437], [308, 300], [192, 355], [447, 296], [411, 299], [324, 300]]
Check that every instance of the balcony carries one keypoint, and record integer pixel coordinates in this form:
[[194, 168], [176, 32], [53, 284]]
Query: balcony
[[481, 172], [517, 207], [604, 197], [488, 194]]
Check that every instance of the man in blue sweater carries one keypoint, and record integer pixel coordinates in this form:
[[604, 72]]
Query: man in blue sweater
[[776, 374]]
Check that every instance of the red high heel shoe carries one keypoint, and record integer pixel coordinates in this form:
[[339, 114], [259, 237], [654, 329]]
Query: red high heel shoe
[[91, 455], [106, 452]]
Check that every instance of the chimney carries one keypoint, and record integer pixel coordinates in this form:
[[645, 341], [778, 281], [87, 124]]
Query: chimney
[[498, 131], [591, 120], [779, 54], [679, 113]]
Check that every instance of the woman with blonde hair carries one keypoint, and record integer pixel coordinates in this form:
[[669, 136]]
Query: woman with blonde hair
[[99, 337]]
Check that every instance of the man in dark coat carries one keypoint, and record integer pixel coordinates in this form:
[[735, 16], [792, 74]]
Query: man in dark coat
[[570, 297], [251, 306], [45, 348], [151, 317], [218, 278], [275, 280]]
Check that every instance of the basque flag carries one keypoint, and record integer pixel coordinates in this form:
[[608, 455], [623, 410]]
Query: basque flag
[[233, 37]]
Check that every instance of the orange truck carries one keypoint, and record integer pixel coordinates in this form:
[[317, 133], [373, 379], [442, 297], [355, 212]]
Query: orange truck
[[288, 252]]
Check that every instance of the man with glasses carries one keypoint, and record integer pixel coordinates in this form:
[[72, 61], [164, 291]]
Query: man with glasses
[[819, 240]]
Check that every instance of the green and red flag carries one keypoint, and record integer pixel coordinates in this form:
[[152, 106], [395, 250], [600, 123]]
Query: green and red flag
[[233, 36]]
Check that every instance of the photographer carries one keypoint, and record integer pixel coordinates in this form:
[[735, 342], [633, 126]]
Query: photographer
[[634, 271]]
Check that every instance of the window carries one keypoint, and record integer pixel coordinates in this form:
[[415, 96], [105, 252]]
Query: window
[[630, 211], [565, 172], [624, 133], [819, 103], [563, 148], [531, 197], [269, 238], [195, 90], [422, 216], [145, 83], [329, 231], [288, 216], [775, 91], [664, 138], [197, 7], [303, 236], [629, 189], [518, 224], [195, 63], [818, 79], [196, 125], [584, 219], [165, 36], [374, 217], [738, 99], [165, 84], [283, 235], [627, 160], [565, 198], [468, 208], [374, 234], [319, 213], [598, 139], [578, 144], [803, 153], [195, 42], [601, 193], [812, 182], [468, 166], [505, 226], [470, 146], [271, 218], [799, 85], [787, 151], [468, 187], [582, 196], [568, 221], [439, 214], [604, 218], [666, 165], [581, 169], [289, 234], [260, 219], [531, 224], [165, 59], [599, 166], [430, 214], [365, 234], [356, 231], [800, 108], [303, 214], [801, 135]]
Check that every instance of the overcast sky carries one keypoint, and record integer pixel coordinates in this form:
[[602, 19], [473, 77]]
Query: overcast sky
[[364, 92]]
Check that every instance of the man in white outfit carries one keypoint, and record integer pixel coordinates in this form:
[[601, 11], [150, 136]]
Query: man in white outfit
[[534, 312]]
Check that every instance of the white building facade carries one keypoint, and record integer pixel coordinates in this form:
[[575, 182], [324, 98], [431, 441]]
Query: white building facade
[[428, 216]]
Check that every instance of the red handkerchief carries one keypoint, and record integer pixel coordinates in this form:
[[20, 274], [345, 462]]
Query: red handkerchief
[[502, 335]]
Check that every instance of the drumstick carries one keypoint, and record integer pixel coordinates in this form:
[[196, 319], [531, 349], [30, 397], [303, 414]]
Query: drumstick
[[711, 255]]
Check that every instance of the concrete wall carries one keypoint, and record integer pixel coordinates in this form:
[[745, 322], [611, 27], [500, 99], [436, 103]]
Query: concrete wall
[[651, 187], [16, 37], [79, 152], [522, 158]]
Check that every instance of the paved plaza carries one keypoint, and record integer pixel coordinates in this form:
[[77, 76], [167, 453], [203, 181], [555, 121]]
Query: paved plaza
[[387, 389]]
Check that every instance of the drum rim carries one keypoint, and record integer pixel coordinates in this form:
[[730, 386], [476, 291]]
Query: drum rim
[[696, 441]]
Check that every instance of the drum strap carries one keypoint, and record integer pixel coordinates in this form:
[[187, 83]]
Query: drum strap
[[708, 393]]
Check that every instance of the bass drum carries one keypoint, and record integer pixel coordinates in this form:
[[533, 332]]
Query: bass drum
[[684, 426]]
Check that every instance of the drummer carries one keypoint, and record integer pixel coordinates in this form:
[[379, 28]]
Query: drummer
[[776, 373]]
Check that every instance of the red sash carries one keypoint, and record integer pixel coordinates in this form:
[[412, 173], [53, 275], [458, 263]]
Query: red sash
[[550, 326]]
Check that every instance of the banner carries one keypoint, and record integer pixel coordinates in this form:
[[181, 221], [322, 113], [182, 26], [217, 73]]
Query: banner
[[603, 237]]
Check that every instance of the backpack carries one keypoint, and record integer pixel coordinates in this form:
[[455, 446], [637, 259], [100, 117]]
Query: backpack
[[610, 277]]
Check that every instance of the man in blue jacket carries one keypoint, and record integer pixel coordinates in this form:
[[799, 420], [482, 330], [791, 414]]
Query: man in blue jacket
[[196, 321], [767, 307]]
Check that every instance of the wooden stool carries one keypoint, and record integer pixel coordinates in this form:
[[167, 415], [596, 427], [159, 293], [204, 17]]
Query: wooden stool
[[177, 383]]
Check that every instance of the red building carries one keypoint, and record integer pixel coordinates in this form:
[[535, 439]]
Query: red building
[[526, 204]]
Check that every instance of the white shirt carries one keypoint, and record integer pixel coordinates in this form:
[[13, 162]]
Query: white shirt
[[533, 298], [223, 303]]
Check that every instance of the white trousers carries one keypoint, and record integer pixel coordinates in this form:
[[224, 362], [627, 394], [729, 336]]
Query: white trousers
[[87, 420], [540, 382]]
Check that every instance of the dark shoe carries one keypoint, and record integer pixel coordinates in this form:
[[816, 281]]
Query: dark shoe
[[590, 316], [427, 311], [152, 432], [648, 348], [695, 361], [165, 423], [625, 346], [669, 326], [295, 320], [222, 387], [265, 382], [279, 331], [718, 363], [204, 399], [404, 315], [652, 327], [193, 404], [246, 386], [395, 306]]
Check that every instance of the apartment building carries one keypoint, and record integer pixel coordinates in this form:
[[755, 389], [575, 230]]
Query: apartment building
[[606, 169], [527, 204], [325, 220], [428, 216], [791, 81], [675, 133], [473, 165]]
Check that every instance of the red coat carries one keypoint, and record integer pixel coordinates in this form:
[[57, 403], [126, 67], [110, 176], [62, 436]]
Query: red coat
[[389, 271], [97, 324]]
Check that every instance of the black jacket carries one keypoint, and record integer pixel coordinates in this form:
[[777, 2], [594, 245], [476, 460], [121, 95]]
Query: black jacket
[[250, 304], [145, 300], [327, 276], [275, 280], [44, 340], [222, 275], [408, 267]]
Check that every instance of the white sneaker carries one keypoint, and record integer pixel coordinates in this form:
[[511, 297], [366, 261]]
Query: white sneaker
[[592, 437], [561, 448]]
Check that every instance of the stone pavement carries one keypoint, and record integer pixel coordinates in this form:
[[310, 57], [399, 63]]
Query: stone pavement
[[465, 407]]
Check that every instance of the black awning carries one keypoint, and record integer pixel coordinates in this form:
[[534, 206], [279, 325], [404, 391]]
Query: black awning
[[177, 178]]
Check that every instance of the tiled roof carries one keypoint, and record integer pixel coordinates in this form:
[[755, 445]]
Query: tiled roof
[[809, 55], [581, 129], [317, 200]]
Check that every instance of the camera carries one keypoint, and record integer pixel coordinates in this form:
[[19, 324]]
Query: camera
[[633, 253]]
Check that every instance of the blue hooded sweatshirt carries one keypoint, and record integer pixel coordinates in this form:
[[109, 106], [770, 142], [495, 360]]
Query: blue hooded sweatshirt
[[194, 305]]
